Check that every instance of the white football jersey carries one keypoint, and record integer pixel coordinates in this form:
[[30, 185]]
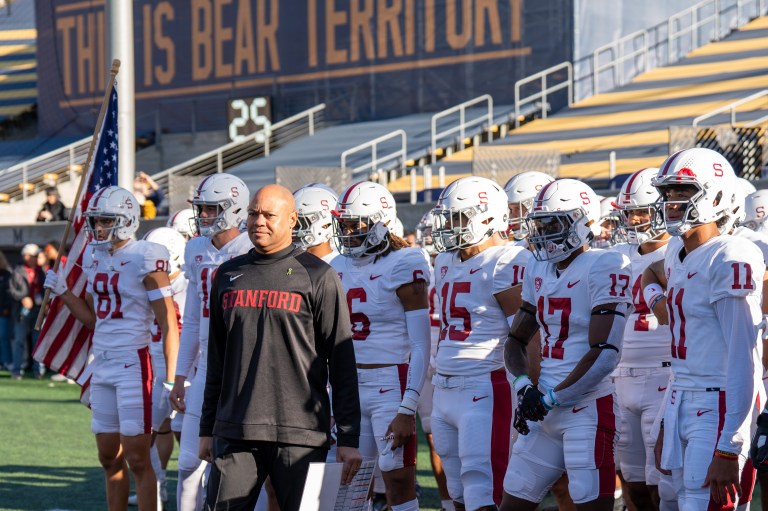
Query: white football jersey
[[379, 331], [330, 257], [724, 266], [201, 260], [473, 325], [179, 288], [564, 301], [645, 344], [116, 283], [760, 239]]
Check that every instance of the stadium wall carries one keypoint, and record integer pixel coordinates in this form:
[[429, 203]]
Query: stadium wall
[[366, 59]]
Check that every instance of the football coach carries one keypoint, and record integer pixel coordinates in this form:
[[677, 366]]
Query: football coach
[[279, 331]]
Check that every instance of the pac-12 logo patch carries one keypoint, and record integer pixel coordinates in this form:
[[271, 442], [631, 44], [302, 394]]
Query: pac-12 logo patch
[[341, 275], [443, 271], [198, 258], [537, 283]]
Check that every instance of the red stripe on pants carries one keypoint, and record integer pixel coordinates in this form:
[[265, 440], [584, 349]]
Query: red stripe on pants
[[146, 387], [500, 430], [409, 450], [714, 506], [604, 441]]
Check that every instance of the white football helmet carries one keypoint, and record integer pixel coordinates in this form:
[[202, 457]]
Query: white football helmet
[[314, 204], [370, 209], [398, 229], [229, 194], [564, 218], [712, 177], [183, 222], [469, 211], [424, 233], [173, 241], [609, 224], [521, 190], [117, 203], [638, 193], [738, 213], [746, 186], [756, 207]]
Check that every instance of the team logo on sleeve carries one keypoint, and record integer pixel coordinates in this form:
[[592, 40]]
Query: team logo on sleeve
[[341, 275], [443, 271], [537, 283], [198, 258]]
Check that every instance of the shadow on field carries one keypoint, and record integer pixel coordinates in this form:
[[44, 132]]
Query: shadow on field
[[27, 488]]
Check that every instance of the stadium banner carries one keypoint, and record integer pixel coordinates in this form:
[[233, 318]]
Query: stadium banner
[[366, 59]]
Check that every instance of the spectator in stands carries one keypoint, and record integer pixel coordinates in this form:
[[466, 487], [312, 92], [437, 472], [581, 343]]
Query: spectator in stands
[[6, 305], [26, 288], [51, 251], [53, 210], [149, 195]]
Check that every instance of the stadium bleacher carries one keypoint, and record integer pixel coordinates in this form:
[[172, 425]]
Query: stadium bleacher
[[634, 120], [18, 59]]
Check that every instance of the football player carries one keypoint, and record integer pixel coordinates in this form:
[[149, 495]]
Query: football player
[[521, 190], [755, 210], [712, 300], [127, 285], [220, 204], [579, 298], [183, 222], [643, 372], [162, 440], [609, 223], [425, 242], [314, 227], [386, 284], [477, 279]]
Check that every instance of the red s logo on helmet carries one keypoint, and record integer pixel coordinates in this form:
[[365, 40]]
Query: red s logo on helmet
[[718, 168], [384, 202], [584, 198], [483, 196], [234, 191]]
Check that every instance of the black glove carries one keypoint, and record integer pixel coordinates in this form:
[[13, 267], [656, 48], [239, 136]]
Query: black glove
[[758, 450], [530, 403], [519, 423]]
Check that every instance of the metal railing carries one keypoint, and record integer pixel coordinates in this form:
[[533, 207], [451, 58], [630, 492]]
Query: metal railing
[[485, 118], [618, 57], [25, 178], [234, 153], [730, 107], [687, 23], [680, 27], [377, 159], [545, 90]]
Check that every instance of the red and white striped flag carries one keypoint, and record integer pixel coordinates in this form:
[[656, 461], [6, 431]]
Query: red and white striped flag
[[64, 341]]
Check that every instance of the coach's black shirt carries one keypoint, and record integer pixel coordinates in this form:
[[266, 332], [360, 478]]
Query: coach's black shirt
[[279, 325]]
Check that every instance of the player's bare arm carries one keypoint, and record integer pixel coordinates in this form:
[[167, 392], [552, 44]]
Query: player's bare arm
[[655, 282], [158, 287], [414, 297]]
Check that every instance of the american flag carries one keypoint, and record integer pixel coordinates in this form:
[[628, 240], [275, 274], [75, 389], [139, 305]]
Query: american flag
[[64, 342]]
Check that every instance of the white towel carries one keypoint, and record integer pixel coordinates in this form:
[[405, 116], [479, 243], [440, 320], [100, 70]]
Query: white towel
[[672, 453]]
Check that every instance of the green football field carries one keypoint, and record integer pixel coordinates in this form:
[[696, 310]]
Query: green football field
[[48, 454]]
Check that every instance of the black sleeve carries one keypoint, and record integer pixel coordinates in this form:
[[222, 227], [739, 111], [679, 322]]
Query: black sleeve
[[333, 326], [217, 342]]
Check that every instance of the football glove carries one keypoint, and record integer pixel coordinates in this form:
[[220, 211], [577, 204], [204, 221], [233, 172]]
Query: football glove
[[758, 450], [530, 403], [57, 284], [519, 423]]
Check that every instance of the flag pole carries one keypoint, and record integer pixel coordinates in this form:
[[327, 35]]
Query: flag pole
[[83, 177]]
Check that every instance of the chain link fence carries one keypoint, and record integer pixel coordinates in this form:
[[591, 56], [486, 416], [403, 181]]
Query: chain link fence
[[500, 163], [296, 177], [745, 148]]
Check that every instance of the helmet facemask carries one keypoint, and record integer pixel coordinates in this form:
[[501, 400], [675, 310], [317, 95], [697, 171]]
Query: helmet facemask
[[643, 232], [455, 230], [690, 214], [210, 226], [518, 227], [313, 228], [119, 222], [360, 236], [553, 234]]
